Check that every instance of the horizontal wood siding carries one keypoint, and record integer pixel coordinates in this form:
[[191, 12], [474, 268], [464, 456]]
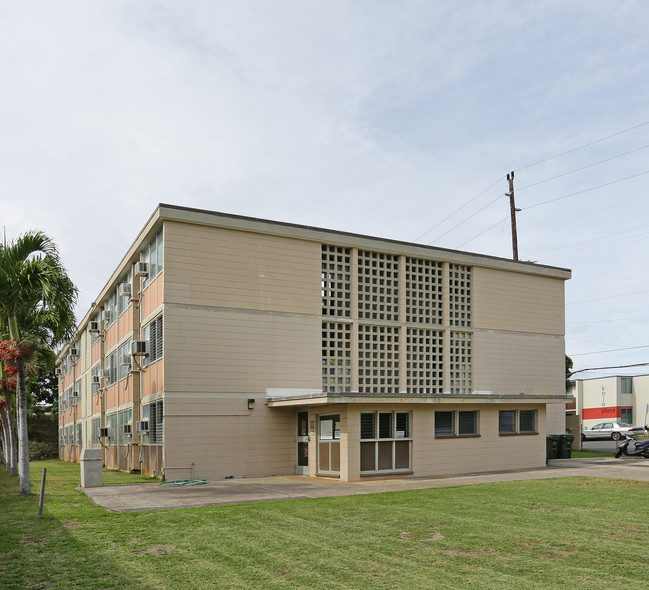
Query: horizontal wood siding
[[510, 301], [511, 363], [220, 437], [225, 268], [152, 296], [230, 351], [153, 378]]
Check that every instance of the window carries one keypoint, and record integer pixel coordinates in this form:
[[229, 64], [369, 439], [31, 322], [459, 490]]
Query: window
[[460, 423], [124, 351], [124, 301], [124, 417], [627, 384], [626, 415], [94, 440], [386, 443], [154, 414], [111, 368], [517, 422], [152, 255], [79, 389], [111, 308], [95, 372], [79, 434], [111, 424], [153, 333], [95, 336]]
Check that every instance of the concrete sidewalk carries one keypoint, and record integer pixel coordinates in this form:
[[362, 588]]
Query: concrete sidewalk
[[152, 496]]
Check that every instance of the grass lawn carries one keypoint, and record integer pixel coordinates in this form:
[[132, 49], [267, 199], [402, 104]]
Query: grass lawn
[[563, 533], [582, 453]]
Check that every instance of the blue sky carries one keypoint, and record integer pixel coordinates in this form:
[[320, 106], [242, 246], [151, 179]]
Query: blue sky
[[373, 117]]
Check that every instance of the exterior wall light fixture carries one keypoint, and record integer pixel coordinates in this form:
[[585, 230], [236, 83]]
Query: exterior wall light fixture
[[251, 404]]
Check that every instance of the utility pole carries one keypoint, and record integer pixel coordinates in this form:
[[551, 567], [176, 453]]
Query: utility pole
[[512, 209]]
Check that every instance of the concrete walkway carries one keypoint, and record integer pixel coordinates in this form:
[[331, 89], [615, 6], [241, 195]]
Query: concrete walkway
[[152, 496]]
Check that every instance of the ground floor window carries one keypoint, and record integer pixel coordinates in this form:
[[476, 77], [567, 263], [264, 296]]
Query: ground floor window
[[79, 440], [94, 431], [517, 422], [386, 443], [153, 414], [626, 415], [456, 423], [124, 419], [329, 444], [111, 424]]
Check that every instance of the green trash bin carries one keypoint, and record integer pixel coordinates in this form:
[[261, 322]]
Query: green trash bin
[[551, 443], [564, 450]]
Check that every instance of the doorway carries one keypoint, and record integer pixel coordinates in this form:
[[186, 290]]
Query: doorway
[[302, 445]]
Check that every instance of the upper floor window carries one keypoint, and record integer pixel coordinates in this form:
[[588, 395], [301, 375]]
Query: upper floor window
[[153, 333], [110, 309], [124, 301], [153, 256], [627, 385]]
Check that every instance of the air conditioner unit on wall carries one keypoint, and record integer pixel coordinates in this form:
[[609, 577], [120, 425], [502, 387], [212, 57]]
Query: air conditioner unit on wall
[[140, 347], [142, 425], [125, 429], [74, 351], [125, 360], [59, 371], [106, 315], [75, 394], [102, 432], [124, 290], [93, 327], [141, 269], [95, 379], [106, 373]]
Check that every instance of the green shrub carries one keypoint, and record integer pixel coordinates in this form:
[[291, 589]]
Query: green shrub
[[40, 451]]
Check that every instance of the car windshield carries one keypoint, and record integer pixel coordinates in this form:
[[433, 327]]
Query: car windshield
[[624, 425]]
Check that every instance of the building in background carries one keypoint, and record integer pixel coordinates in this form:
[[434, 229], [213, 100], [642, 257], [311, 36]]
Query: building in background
[[612, 399], [231, 346]]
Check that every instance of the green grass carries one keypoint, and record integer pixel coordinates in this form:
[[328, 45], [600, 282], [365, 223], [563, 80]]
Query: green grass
[[558, 533], [585, 453]]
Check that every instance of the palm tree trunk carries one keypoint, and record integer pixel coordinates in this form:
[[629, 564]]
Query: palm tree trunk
[[5, 438], [25, 487], [12, 451]]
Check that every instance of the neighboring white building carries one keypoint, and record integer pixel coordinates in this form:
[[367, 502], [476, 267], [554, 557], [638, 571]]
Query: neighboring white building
[[618, 399]]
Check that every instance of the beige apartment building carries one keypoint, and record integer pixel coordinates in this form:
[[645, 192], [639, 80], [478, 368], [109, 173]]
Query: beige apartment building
[[231, 346]]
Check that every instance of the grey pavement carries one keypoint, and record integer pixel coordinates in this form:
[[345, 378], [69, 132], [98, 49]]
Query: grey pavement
[[153, 496]]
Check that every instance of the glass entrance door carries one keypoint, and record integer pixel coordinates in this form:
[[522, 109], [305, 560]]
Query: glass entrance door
[[302, 458]]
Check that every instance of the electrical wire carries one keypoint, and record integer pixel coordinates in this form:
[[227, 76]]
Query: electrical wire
[[606, 246], [642, 317], [609, 297], [582, 146], [605, 368], [612, 350], [586, 190], [482, 232], [460, 209], [521, 188]]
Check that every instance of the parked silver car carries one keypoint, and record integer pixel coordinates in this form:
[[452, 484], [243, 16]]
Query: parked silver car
[[614, 430]]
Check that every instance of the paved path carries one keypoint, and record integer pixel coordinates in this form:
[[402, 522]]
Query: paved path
[[152, 496]]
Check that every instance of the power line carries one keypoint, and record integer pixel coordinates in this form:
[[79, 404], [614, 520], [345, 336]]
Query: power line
[[609, 297], [586, 190], [582, 146], [605, 368], [612, 350], [483, 232], [460, 209], [583, 168], [642, 317]]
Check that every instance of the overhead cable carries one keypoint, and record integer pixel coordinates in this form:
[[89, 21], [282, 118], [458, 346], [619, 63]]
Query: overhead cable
[[609, 297]]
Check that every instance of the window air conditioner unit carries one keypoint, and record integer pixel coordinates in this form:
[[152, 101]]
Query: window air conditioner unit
[[142, 425], [125, 429], [125, 360], [74, 351], [141, 269], [59, 371], [96, 379], [106, 373], [140, 347], [75, 395], [93, 327], [102, 432], [106, 315], [124, 290]]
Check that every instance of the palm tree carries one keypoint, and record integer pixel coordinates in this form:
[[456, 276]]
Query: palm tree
[[37, 301]]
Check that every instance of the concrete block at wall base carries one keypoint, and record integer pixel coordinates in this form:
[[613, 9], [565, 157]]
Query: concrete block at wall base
[[91, 468]]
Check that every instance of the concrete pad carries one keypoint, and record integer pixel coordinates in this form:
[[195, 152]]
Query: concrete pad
[[152, 496]]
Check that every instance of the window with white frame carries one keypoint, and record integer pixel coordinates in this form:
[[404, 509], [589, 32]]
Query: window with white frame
[[79, 440], [626, 384], [95, 372], [124, 301], [386, 441], [626, 415], [517, 422], [110, 307], [111, 368], [124, 417], [111, 424], [153, 413], [153, 332], [78, 387], [94, 434], [124, 353], [153, 256]]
